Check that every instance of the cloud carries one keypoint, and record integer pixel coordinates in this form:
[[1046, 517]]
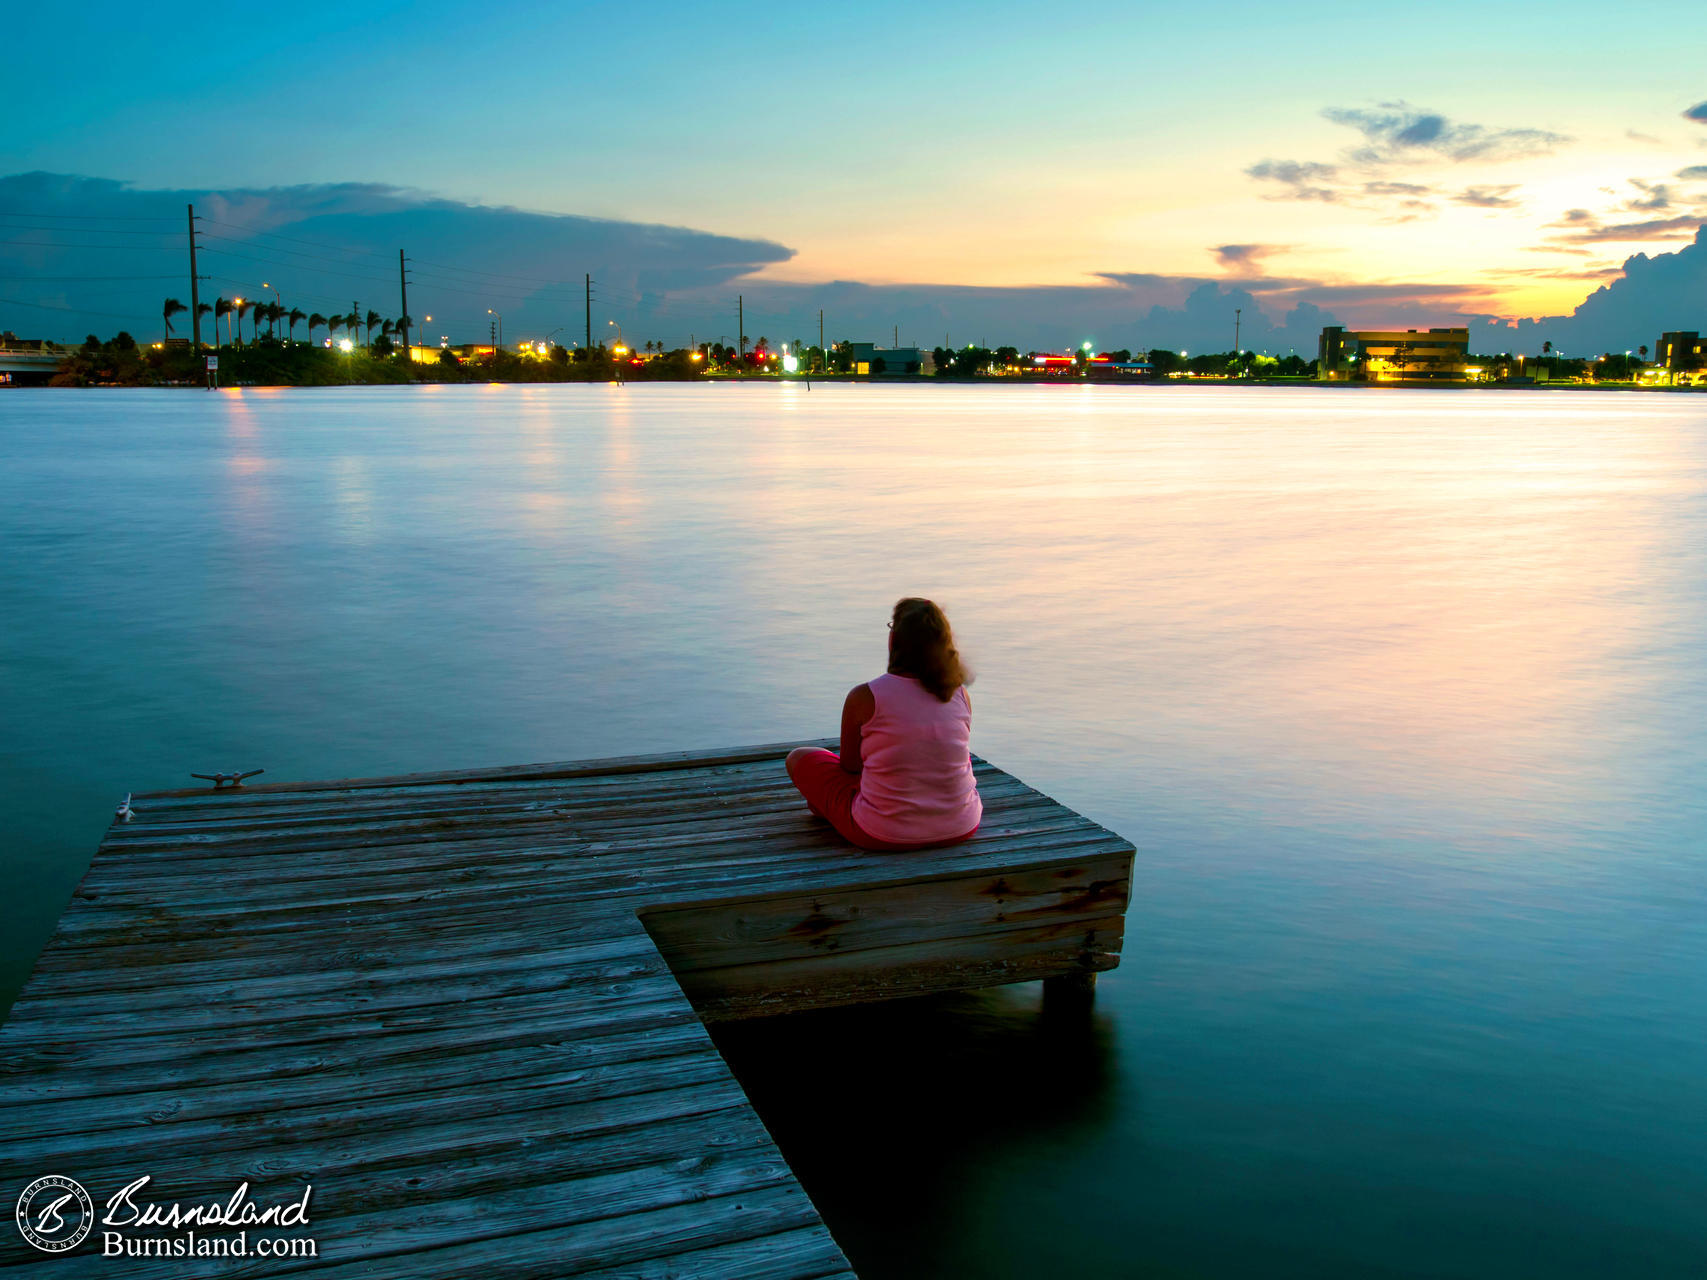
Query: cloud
[[1694, 173], [1655, 195], [1697, 113], [1397, 132], [1649, 229], [1307, 179], [325, 245], [1496, 196], [1411, 189], [1648, 297], [1241, 256], [1644, 137]]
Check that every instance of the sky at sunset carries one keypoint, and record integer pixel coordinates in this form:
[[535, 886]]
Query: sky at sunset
[[1464, 160]]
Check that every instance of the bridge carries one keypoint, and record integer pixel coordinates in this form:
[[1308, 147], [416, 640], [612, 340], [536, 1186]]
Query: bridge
[[33, 364]]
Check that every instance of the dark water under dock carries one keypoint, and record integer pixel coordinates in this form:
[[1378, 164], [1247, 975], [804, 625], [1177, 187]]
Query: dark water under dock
[[1400, 698]]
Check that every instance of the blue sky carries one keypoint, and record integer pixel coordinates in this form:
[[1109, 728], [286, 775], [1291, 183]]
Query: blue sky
[[990, 145]]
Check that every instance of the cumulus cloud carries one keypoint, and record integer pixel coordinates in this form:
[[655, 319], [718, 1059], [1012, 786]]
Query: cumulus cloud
[[1694, 173], [323, 245], [1697, 113], [1397, 132], [1648, 297]]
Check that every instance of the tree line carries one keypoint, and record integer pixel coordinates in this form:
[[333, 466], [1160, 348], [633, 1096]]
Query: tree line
[[233, 311]]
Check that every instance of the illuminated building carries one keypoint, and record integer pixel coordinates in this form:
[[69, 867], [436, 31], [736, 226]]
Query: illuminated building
[[873, 361], [1393, 355], [1680, 354]]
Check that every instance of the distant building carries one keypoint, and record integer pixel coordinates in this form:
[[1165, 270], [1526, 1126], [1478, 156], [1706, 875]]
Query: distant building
[[1107, 368], [10, 341], [1680, 354], [873, 361], [1393, 355]]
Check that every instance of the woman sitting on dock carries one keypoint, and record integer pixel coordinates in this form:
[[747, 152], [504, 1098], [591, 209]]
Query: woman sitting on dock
[[903, 779]]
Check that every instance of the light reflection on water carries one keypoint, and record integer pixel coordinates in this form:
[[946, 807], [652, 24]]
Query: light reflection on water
[[1398, 694]]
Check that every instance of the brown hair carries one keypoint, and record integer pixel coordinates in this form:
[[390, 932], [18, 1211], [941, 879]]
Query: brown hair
[[921, 645]]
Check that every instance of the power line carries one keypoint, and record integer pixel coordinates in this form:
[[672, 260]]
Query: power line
[[64, 278], [48, 306], [57, 244], [84, 217], [84, 231]]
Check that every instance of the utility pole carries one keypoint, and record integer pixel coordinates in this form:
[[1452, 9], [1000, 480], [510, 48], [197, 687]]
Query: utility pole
[[823, 351], [741, 325], [897, 335], [195, 288], [403, 285], [589, 316], [356, 312], [1237, 313]]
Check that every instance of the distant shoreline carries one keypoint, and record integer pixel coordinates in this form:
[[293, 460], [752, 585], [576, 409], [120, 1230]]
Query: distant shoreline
[[857, 380]]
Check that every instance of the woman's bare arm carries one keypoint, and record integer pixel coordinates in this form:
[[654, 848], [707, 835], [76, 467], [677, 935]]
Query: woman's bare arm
[[860, 706]]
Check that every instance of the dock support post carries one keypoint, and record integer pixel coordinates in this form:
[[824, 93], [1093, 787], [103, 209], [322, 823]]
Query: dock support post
[[1079, 987]]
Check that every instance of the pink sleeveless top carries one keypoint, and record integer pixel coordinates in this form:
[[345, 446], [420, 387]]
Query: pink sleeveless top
[[915, 782]]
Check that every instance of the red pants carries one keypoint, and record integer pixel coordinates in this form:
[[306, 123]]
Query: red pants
[[830, 790]]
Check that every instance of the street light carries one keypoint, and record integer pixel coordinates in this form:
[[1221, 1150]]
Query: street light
[[277, 301], [500, 316]]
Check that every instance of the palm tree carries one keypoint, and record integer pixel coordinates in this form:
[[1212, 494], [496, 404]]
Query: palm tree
[[333, 324], [202, 308], [386, 328], [353, 324], [172, 308], [372, 319], [314, 322], [221, 309], [294, 317], [241, 308]]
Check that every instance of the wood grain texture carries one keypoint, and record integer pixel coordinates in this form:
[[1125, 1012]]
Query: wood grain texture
[[469, 1006]]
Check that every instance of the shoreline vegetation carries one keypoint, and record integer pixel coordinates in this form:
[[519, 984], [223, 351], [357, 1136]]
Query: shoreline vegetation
[[268, 361]]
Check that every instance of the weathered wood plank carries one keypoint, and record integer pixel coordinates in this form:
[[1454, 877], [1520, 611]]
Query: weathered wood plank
[[127, 923], [906, 969], [460, 1002], [665, 760], [786, 924]]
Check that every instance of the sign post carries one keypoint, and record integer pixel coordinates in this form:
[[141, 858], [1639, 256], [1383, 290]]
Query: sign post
[[213, 373]]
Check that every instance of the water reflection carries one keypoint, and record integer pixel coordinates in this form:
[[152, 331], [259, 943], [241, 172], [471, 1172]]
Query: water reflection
[[964, 1081], [1399, 695]]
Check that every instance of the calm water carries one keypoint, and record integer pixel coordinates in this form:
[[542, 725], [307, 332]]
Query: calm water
[[1400, 696]]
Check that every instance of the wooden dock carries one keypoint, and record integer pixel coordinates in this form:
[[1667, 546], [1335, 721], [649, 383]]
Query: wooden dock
[[467, 1007]]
